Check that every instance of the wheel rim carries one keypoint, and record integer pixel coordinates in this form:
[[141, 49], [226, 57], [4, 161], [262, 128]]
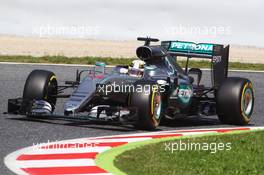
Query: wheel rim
[[247, 102], [157, 104]]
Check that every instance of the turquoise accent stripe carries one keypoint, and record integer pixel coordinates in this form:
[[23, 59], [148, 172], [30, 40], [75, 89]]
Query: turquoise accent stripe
[[190, 47]]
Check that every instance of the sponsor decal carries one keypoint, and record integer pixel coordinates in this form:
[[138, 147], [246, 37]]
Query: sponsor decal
[[202, 48], [185, 93]]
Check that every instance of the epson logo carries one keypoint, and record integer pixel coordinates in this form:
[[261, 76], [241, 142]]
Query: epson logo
[[192, 46]]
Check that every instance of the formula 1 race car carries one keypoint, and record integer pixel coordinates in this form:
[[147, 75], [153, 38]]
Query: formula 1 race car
[[152, 88]]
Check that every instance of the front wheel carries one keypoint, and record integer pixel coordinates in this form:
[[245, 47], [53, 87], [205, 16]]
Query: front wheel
[[149, 107], [235, 101], [41, 85]]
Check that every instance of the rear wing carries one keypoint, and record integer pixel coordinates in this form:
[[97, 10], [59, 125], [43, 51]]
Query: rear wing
[[219, 55]]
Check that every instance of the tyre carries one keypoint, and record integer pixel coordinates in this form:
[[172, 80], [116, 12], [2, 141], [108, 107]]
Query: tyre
[[149, 107], [41, 85], [235, 101]]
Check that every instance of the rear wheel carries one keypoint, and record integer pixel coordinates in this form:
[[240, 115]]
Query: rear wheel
[[235, 101], [149, 106], [41, 85]]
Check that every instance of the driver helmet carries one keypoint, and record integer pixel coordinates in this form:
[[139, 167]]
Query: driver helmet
[[136, 69]]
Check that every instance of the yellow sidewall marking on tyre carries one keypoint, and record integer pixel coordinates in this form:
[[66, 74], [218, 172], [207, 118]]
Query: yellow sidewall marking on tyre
[[152, 108], [51, 78], [242, 100], [152, 103]]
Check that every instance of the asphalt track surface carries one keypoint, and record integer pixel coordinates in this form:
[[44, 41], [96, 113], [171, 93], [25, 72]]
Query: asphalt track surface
[[17, 132]]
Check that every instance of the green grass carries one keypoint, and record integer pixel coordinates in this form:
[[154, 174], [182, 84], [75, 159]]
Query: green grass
[[245, 157], [115, 61]]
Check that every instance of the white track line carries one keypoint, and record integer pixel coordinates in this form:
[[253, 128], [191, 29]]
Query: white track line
[[108, 140], [37, 151], [93, 174], [110, 66], [55, 163], [129, 140], [180, 131], [197, 133], [52, 64]]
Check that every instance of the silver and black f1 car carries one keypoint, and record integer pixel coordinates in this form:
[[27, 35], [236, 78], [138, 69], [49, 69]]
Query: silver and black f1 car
[[145, 92]]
